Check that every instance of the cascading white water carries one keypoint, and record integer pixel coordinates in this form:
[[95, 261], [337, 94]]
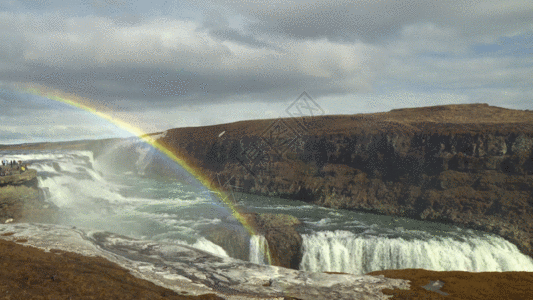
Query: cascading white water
[[87, 198], [343, 251], [207, 246], [259, 252]]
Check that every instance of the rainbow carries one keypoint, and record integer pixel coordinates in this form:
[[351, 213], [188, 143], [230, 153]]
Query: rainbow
[[98, 110]]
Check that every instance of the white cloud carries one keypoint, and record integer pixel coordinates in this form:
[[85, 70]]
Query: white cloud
[[429, 37], [98, 43]]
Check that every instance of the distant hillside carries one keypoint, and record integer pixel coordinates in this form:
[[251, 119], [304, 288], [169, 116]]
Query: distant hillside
[[447, 119]]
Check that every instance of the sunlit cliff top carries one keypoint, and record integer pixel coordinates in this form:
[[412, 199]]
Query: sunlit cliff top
[[458, 113], [444, 119]]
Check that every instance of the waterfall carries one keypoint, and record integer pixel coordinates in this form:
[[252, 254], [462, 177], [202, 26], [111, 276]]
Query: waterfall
[[259, 253], [206, 246], [343, 251], [87, 199]]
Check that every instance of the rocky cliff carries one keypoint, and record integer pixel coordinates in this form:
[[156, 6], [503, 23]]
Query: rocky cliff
[[468, 165], [20, 199]]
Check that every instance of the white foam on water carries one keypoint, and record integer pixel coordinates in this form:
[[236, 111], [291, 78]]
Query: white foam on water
[[45, 168], [66, 190], [343, 251], [207, 246], [86, 198], [44, 155], [321, 223]]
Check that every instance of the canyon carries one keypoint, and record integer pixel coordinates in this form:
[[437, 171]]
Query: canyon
[[468, 165]]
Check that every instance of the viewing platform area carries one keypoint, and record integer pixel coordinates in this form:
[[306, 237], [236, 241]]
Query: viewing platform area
[[16, 176]]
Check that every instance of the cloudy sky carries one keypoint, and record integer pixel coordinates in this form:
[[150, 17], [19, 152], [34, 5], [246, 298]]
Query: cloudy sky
[[171, 64]]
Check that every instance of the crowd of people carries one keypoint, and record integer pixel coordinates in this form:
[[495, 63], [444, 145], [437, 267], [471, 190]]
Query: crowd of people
[[9, 167]]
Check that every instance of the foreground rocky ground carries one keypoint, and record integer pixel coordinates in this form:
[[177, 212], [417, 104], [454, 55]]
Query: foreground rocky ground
[[179, 268], [461, 285], [31, 273]]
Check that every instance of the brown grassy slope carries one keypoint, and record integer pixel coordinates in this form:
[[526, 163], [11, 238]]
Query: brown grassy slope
[[437, 119], [458, 114]]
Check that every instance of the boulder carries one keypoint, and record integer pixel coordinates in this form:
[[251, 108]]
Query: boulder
[[284, 242]]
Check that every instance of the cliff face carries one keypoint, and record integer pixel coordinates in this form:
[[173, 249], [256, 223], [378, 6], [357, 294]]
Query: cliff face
[[468, 165], [20, 200]]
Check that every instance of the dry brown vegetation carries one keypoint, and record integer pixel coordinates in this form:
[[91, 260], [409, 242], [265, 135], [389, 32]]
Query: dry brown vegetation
[[446, 118], [462, 285], [30, 273]]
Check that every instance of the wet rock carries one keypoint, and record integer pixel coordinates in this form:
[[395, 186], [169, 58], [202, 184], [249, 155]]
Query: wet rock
[[284, 242], [233, 239], [56, 167]]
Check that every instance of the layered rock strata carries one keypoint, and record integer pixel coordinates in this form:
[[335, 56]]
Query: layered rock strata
[[467, 165]]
